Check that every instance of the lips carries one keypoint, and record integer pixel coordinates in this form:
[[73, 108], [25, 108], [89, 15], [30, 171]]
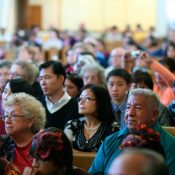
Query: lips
[[44, 88], [115, 95]]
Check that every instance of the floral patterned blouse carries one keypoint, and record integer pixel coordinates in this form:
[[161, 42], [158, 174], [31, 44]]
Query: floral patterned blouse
[[74, 129]]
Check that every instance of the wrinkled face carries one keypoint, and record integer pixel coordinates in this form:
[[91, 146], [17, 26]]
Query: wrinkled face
[[4, 75], [138, 112], [43, 167], [87, 103], [16, 72], [70, 88], [91, 77], [15, 121], [7, 91], [50, 83], [117, 88], [124, 165]]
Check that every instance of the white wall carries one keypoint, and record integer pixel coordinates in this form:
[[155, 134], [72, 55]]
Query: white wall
[[7, 15]]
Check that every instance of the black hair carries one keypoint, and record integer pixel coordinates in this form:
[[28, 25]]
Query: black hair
[[120, 73], [56, 66], [104, 107], [143, 77], [76, 79], [20, 85]]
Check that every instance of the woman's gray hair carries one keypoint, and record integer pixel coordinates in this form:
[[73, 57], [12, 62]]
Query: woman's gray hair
[[151, 97], [99, 70], [30, 70], [30, 108]]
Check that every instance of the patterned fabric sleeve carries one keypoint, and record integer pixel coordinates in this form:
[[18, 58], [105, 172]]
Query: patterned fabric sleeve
[[115, 126], [70, 129]]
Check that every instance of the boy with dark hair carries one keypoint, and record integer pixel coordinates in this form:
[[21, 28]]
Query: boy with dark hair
[[118, 84]]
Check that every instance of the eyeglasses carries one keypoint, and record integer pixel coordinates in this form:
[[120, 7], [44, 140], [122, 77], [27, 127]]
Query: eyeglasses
[[86, 99], [11, 116]]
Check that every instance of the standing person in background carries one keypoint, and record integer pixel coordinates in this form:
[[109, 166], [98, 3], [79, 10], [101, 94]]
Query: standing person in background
[[60, 107]]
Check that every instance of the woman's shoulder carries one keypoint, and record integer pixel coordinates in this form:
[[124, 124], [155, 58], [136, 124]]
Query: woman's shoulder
[[76, 122]]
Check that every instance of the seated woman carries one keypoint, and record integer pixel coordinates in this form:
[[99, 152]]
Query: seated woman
[[73, 84], [14, 86], [23, 116], [52, 154], [87, 133]]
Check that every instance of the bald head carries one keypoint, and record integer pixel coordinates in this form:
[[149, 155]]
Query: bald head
[[115, 56], [124, 164], [138, 162]]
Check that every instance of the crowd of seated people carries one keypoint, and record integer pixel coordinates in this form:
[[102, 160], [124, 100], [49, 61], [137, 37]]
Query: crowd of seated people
[[88, 89]]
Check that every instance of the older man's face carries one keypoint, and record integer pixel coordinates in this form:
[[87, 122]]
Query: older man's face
[[138, 111]]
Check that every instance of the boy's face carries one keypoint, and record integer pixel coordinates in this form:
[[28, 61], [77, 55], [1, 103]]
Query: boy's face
[[117, 88]]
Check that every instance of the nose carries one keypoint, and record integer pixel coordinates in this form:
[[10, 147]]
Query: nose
[[115, 88], [131, 111]]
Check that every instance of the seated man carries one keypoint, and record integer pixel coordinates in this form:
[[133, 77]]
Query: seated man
[[142, 108], [60, 107]]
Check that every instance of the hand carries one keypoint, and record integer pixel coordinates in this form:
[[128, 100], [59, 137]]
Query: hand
[[146, 57], [28, 171]]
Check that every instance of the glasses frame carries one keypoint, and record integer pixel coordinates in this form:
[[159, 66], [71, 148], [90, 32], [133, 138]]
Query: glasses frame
[[11, 116], [86, 99]]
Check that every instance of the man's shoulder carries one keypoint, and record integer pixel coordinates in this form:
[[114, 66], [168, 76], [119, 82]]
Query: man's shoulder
[[116, 136]]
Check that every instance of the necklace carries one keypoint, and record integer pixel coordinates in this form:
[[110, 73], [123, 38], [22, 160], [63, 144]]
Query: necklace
[[92, 129]]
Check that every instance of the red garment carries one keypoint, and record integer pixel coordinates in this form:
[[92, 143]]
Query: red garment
[[22, 158], [166, 96], [2, 127]]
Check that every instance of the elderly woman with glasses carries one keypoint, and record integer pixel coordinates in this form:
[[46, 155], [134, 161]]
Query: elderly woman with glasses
[[23, 116], [87, 133]]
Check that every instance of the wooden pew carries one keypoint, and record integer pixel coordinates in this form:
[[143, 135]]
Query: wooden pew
[[83, 159], [170, 129]]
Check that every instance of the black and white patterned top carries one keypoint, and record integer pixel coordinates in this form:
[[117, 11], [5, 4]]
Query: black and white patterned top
[[74, 129]]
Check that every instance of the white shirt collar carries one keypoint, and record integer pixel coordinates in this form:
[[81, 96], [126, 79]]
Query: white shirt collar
[[53, 107]]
